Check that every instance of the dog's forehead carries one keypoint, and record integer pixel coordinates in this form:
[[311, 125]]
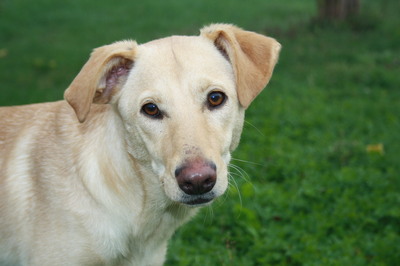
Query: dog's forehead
[[176, 42], [181, 61], [182, 51]]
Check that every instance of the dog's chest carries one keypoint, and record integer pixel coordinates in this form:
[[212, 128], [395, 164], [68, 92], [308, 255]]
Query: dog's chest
[[142, 240]]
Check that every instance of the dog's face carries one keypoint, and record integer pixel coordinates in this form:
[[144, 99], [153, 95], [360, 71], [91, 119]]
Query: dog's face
[[182, 102]]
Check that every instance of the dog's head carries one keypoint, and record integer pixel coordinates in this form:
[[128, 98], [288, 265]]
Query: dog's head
[[181, 100]]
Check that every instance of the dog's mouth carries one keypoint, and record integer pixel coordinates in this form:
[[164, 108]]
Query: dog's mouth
[[196, 201]]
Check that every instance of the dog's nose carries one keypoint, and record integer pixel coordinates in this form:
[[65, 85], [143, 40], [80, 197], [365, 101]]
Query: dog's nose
[[196, 177]]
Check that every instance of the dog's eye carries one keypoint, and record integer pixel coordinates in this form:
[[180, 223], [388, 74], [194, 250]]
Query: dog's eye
[[151, 110], [215, 99]]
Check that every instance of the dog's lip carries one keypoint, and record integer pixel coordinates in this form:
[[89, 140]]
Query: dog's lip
[[198, 201]]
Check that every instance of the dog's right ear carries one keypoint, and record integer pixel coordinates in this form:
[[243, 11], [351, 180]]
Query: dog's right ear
[[101, 77]]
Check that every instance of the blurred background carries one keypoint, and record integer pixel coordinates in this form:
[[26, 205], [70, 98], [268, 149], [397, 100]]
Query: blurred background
[[316, 178]]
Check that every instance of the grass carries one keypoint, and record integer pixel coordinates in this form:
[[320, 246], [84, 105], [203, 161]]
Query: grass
[[320, 147]]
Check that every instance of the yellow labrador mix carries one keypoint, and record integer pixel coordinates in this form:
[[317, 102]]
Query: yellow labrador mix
[[143, 137]]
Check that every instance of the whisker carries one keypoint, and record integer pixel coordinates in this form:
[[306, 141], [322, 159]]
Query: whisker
[[236, 175], [211, 210], [253, 126], [209, 213], [233, 183], [241, 173], [224, 197], [244, 161]]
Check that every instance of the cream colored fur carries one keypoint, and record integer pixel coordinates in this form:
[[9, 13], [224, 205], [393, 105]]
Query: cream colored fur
[[91, 180]]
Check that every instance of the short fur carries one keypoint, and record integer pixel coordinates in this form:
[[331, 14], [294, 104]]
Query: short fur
[[92, 180]]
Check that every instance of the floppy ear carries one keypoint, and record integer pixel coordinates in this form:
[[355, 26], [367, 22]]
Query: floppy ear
[[253, 57], [101, 77]]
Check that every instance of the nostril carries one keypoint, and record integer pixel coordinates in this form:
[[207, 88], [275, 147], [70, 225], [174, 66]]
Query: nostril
[[213, 166], [209, 182], [178, 171], [187, 186]]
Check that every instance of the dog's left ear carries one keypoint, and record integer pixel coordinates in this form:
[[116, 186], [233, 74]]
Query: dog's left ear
[[101, 77], [253, 57]]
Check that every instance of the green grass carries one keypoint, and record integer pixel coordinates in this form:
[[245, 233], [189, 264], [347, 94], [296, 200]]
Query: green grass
[[314, 194]]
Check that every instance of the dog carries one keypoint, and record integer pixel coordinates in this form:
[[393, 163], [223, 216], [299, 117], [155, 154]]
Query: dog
[[141, 141]]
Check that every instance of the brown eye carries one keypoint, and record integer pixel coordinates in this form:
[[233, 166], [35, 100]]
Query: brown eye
[[151, 110], [216, 98]]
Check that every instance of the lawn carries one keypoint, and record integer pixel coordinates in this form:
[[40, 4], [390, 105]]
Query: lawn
[[316, 178]]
